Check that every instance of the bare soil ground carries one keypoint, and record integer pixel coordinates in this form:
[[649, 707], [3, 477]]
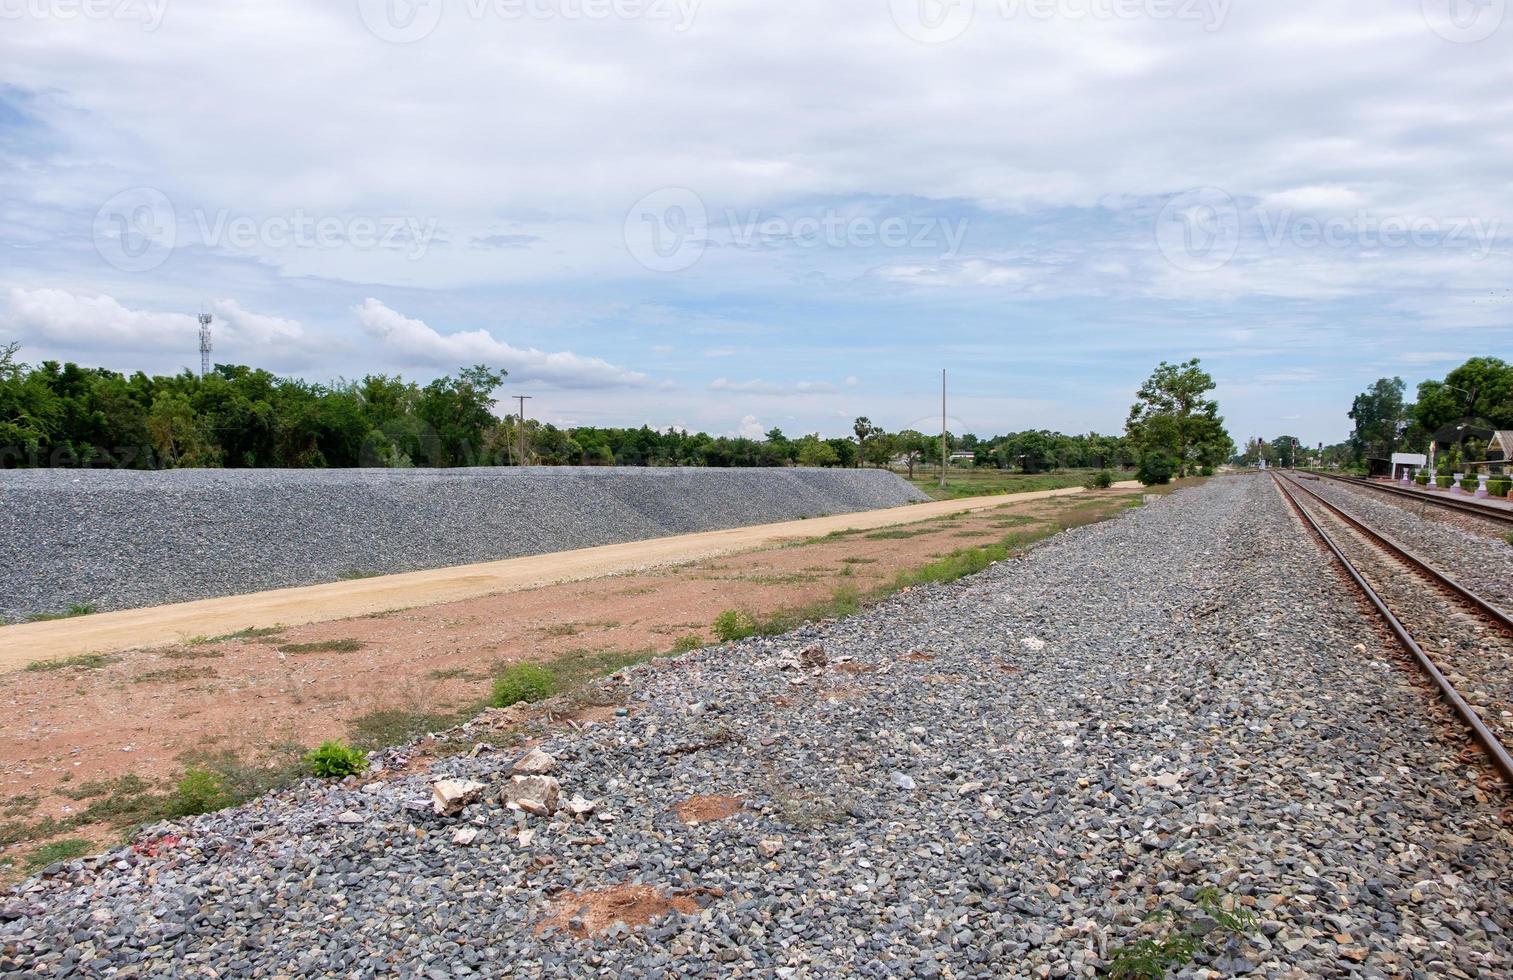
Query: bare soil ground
[[83, 744]]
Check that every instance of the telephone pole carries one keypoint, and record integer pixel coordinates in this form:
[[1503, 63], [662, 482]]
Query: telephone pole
[[944, 448], [520, 423]]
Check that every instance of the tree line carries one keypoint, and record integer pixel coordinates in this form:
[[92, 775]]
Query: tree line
[[64, 415], [1459, 413]]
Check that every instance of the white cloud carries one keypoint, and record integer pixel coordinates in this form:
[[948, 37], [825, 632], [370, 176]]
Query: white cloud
[[751, 428], [57, 318], [1430, 357], [417, 340]]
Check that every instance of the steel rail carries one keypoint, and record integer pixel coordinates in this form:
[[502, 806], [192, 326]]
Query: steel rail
[[1450, 503], [1443, 579], [1484, 735]]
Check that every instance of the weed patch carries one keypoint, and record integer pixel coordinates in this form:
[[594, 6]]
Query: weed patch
[[75, 610], [1154, 957], [323, 646], [734, 624], [334, 760], [174, 675], [194, 653], [526, 683], [400, 726], [84, 661], [686, 644], [58, 850]]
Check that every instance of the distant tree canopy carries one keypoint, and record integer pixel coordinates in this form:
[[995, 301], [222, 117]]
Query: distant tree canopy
[[1460, 411], [1174, 426], [65, 415]]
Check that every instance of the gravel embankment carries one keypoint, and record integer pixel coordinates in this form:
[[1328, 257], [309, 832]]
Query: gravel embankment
[[1132, 713], [1483, 565], [118, 540]]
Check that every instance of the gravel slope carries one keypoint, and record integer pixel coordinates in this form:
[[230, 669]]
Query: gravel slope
[[1135, 711], [120, 539]]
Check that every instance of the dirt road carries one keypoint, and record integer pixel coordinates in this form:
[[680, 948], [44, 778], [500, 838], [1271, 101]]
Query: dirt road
[[161, 625]]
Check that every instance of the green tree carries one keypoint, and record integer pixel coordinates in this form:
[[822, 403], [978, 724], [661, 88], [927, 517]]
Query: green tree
[[1174, 419], [1379, 417], [864, 430], [814, 451]]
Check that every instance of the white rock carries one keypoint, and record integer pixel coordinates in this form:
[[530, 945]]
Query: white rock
[[901, 781], [349, 818], [533, 794], [1168, 780], [449, 796], [465, 836], [579, 807], [1032, 643], [533, 763], [769, 847], [967, 789]]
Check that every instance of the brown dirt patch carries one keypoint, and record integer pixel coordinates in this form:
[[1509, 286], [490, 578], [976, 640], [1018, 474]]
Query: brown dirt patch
[[916, 657], [65, 727], [589, 913], [707, 809]]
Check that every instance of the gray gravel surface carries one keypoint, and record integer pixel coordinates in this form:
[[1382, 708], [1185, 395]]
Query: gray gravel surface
[[1480, 563], [120, 539], [1187, 698]]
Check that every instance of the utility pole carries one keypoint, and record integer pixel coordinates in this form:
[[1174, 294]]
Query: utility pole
[[944, 449], [520, 423]]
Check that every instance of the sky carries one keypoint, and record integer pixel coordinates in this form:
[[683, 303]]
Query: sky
[[729, 215]]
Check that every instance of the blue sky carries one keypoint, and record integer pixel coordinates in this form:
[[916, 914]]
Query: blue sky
[[729, 216]]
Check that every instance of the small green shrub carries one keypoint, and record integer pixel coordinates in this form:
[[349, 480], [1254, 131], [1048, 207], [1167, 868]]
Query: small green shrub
[[1206, 471], [1470, 484], [1101, 480], [199, 791], [1499, 487], [685, 644], [522, 682], [334, 760], [734, 624], [1422, 479], [1443, 481], [1156, 469]]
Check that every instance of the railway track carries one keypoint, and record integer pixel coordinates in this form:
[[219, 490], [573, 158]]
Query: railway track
[[1463, 643], [1495, 514]]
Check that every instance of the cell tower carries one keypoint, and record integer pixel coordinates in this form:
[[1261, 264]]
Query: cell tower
[[205, 319]]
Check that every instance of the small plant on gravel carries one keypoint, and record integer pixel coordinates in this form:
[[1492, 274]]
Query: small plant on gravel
[[685, 644], [1101, 480], [734, 624], [199, 791], [87, 661], [335, 760], [527, 683], [77, 609], [1152, 958]]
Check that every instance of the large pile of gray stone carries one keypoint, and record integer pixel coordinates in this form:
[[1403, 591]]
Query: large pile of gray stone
[[117, 539]]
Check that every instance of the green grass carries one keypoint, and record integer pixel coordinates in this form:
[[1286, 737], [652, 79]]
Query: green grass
[[323, 646], [1152, 958], [75, 610], [685, 644], [734, 624], [254, 633], [968, 482], [174, 675], [400, 726], [352, 574], [899, 534], [194, 653], [86, 661], [58, 850]]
